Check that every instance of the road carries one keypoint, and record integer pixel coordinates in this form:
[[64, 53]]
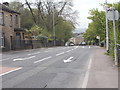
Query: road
[[55, 67]]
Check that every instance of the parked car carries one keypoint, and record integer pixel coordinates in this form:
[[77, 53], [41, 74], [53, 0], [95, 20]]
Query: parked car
[[67, 44], [71, 44], [83, 43]]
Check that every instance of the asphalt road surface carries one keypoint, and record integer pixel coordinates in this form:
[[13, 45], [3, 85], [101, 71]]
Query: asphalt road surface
[[55, 67]]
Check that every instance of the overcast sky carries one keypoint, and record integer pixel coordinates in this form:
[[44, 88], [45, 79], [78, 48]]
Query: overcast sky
[[83, 7]]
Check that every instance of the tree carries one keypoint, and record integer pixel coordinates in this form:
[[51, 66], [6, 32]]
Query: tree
[[25, 15], [97, 26], [64, 30], [43, 15]]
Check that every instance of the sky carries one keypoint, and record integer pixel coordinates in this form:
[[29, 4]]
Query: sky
[[83, 7]]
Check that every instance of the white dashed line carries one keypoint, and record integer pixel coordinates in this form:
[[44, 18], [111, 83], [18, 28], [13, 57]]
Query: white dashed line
[[60, 54], [10, 71], [83, 46], [68, 51], [9, 58], [34, 53], [43, 59]]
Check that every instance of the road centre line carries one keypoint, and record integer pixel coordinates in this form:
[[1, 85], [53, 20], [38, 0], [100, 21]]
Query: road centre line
[[43, 59], [9, 58], [85, 81], [19, 59], [83, 46], [60, 54], [34, 53], [5, 59], [68, 51], [10, 71]]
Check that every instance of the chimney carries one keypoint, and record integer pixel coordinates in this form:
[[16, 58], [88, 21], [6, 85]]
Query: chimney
[[6, 4]]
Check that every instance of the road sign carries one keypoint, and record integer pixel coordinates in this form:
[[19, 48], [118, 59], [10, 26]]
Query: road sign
[[111, 16]]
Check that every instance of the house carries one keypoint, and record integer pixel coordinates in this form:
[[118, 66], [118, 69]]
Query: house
[[11, 32], [77, 38]]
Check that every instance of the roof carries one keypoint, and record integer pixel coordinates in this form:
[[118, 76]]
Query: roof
[[6, 8], [19, 30]]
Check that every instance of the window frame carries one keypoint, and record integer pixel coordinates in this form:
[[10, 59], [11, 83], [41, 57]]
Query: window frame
[[2, 18], [11, 20]]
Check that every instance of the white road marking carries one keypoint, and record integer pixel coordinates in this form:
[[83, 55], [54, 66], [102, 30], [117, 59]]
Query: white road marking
[[5, 59], [47, 51], [20, 59], [68, 60], [50, 48], [33, 53], [89, 47], [83, 46], [60, 54], [72, 49], [10, 71], [9, 58], [76, 47], [85, 82], [43, 59], [68, 51]]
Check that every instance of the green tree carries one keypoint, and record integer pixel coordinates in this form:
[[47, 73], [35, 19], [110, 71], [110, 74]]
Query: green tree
[[97, 27], [25, 15]]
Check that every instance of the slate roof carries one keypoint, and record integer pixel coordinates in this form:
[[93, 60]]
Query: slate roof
[[6, 8]]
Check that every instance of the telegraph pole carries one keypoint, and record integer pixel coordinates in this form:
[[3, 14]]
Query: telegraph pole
[[54, 25], [107, 37]]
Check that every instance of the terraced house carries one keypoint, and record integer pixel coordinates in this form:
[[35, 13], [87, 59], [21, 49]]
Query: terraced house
[[11, 32]]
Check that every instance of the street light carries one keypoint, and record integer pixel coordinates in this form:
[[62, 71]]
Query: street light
[[54, 24]]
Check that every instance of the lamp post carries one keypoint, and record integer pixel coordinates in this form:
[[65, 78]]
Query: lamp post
[[54, 24], [107, 37]]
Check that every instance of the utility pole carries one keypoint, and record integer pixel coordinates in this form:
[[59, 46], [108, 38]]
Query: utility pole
[[107, 37], [54, 25]]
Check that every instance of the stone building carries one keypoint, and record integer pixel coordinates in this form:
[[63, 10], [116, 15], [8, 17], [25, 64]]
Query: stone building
[[10, 30], [77, 38]]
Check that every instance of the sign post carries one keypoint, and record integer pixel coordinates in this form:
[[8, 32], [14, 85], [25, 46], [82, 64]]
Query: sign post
[[113, 15]]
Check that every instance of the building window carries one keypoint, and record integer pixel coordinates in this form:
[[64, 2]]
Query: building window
[[11, 21], [1, 18], [16, 19], [3, 41]]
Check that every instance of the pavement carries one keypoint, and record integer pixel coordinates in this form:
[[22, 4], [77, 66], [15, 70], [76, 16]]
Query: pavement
[[103, 72], [59, 67]]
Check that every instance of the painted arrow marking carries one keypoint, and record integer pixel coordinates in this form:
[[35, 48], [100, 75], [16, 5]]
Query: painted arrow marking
[[68, 60], [20, 59]]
